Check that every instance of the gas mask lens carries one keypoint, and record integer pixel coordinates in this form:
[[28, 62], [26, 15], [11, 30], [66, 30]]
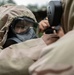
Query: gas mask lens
[[21, 25]]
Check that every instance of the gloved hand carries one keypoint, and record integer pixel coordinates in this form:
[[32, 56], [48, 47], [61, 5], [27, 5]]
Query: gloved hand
[[50, 38]]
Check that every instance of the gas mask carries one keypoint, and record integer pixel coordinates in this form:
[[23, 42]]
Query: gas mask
[[54, 14], [23, 29]]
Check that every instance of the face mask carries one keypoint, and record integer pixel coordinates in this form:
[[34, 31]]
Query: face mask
[[30, 34], [25, 26]]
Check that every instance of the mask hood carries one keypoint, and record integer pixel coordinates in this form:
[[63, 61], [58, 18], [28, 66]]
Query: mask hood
[[7, 14]]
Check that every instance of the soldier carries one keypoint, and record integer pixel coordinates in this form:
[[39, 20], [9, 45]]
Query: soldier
[[57, 58], [21, 29], [17, 24]]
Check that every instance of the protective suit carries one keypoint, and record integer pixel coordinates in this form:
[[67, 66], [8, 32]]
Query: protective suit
[[58, 58], [16, 59]]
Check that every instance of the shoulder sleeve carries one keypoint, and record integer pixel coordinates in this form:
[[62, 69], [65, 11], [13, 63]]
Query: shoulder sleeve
[[8, 43]]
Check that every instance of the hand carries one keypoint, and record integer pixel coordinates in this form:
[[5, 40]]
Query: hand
[[60, 33], [43, 25], [50, 38]]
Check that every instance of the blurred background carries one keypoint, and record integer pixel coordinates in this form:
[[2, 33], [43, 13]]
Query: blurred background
[[38, 7]]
